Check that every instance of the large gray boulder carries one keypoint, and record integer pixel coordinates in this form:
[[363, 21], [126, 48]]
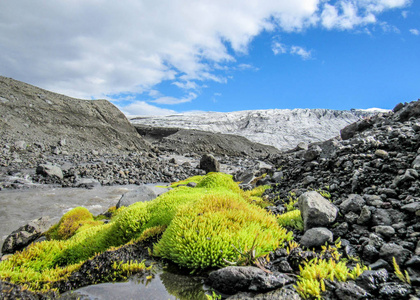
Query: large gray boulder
[[209, 163], [49, 170], [142, 194], [25, 235], [235, 279], [316, 210]]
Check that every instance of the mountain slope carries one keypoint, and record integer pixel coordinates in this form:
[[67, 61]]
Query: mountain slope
[[32, 114], [283, 129]]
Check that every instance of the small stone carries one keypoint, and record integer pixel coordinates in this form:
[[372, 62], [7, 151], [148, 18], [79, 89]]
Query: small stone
[[316, 237], [381, 264], [370, 280], [395, 291], [349, 291], [391, 250], [381, 154], [412, 207], [386, 231], [364, 216], [370, 254]]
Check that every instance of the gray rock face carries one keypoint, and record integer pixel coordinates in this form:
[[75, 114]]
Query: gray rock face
[[209, 163], [25, 235], [316, 237], [49, 170], [316, 210], [233, 279]]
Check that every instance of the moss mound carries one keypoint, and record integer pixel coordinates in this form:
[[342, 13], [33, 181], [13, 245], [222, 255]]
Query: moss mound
[[202, 235], [70, 222], [203, 225]]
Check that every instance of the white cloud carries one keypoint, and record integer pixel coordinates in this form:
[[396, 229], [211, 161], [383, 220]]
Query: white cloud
[[172, 100], [186, 85], [94, 48], [404, 13], [305, 54], [278, 48], [415, 31], [141, 108]]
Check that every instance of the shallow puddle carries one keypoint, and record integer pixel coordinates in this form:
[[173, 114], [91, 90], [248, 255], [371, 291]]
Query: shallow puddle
[[164, 285]]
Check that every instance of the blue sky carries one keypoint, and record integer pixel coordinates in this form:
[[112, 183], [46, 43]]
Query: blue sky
[[163, 57]]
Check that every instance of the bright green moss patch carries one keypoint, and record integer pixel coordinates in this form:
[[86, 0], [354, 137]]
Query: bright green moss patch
[[312, 275], [71, 221], [292, 219], [195, 179], [201, 223], [202, 235]]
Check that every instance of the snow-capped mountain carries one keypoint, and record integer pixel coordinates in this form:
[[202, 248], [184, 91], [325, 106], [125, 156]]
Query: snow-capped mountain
[[281, 128]]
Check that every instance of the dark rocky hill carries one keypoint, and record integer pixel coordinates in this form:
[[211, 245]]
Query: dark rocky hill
[[183, 141], [34, 115]]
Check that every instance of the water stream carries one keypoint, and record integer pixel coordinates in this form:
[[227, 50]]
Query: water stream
[[18, 207]]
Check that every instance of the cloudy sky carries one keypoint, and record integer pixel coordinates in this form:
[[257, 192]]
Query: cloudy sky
[[166, 56]]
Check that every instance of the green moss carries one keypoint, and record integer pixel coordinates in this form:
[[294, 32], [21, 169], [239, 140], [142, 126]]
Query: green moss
[[72, 221], [217, 209], [292, 219], [195, 179], [312, 275], [218, 181], [202, 235]]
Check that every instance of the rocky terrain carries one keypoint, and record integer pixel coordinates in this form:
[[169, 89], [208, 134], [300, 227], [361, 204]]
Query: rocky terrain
[[281, 128], [357, 195], [51, 138]]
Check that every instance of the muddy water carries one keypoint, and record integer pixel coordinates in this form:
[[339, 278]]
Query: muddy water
[[18, 207]]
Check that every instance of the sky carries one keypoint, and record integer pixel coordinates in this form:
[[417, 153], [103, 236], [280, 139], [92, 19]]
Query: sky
[[159, 57]]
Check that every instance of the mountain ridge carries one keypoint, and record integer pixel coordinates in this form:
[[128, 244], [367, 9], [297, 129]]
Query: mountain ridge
[[263, 126]]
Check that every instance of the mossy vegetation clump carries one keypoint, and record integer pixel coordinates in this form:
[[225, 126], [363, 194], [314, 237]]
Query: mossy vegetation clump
[[201, 227], [206, 234], [70, 222]]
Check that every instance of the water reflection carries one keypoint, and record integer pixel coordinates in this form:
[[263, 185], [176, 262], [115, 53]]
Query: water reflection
[[164, 285]]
